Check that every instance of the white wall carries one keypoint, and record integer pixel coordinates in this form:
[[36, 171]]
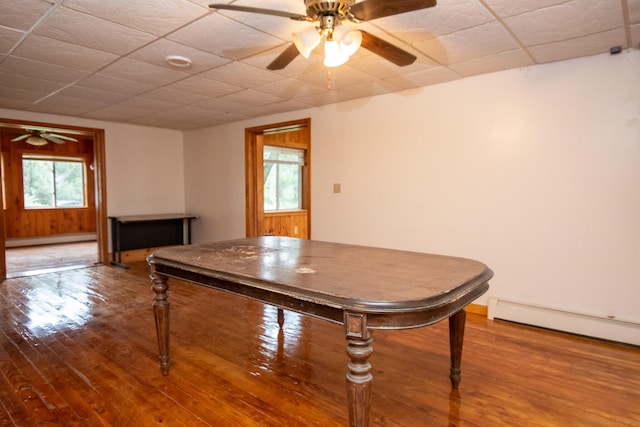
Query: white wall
[[145, 166], [534, 171]]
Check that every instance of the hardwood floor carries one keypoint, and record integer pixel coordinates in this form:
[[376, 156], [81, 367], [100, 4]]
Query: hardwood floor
[[32, 260], [78, 348]]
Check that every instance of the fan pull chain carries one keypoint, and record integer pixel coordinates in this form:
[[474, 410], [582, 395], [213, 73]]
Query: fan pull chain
[[328, 79]]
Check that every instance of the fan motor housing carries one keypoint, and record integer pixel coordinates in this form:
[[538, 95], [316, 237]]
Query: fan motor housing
[[318, 8]]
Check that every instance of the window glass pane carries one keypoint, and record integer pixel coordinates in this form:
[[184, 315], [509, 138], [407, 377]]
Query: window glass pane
[[270, 187], [289, 183], [282, 178], [69, 179], [38, 183], [52, 183]]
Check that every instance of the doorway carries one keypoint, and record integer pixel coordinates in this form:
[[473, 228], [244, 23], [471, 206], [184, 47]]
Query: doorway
[[291, 221], [60, 226]]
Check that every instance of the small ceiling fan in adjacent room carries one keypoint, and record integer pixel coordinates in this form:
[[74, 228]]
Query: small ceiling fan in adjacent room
[[341, 41], [39, 138]]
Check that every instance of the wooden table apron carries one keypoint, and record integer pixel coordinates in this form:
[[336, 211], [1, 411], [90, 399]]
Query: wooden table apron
[[359, 287]]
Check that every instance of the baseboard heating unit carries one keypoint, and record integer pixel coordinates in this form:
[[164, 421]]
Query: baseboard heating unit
[[607, 328]]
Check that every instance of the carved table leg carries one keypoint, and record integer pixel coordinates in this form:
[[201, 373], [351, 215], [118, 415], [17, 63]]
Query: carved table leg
[[359, 375], [160, 286], [280, 317], [456, 336]]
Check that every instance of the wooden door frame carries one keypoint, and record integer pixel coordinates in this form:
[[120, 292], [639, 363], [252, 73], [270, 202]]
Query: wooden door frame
[[100, 183], [254, 174]]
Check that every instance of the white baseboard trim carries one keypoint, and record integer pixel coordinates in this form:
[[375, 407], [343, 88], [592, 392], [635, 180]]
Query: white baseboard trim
[[577, 323], [50, 240]]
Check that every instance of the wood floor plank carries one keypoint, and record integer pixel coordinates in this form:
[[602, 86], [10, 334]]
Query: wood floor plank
[[78, 348]]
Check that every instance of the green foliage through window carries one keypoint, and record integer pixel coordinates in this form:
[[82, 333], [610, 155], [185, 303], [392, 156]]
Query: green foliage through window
[[282, 178], [53, 183]]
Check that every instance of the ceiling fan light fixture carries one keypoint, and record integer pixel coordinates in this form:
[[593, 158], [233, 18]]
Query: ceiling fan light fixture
[[36, 140], [349, 40], [333, 55], [307, 40]]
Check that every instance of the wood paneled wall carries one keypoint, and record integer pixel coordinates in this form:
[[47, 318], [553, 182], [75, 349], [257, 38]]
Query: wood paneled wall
[[21, 222], [293, 224]]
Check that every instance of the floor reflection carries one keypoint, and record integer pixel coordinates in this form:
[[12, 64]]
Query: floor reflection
[[50, 306], [277, 350]]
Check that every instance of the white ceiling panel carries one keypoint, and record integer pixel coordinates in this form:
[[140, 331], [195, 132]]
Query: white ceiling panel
[[22, 14], [566, 21], [105, 59], [52, 51], [157, 17], [82, 29]]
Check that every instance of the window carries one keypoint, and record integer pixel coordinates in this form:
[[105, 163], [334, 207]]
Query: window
[[282, 178], [50, 182]]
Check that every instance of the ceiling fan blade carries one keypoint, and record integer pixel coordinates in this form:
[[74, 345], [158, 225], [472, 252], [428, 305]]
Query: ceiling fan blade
[[52, 138], [21, 137], [55, 135], [371, 9], [287, 55], [386, 50], [294, 16]]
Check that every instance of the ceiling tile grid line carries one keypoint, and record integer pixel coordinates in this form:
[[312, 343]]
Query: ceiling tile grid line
[[106, 60]]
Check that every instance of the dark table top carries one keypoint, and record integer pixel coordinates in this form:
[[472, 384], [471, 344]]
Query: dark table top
[[343, 276]]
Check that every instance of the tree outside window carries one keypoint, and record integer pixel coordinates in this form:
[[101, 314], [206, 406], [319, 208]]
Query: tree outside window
[[53, 183], [282, 178]]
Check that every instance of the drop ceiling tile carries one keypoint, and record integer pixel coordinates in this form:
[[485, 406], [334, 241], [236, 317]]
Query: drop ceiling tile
[[242, 75], [138, 71], [219, 105], [370, 88], [566, 21], [174, 96], [224, 37], [148, 105], [103, 96], [424, 78], [22, 14], [24, 96], [70, 105], [10, 79], [336, 78], [446, 17], [582, 46], [488, 64], [381, 68], [66, 54], [41, 71], [202, 86], [250, 97], [157, 17], [506, 8], [483, 40], [634, 11], [116, 113], [8, 39], [107, 83], [327, 96], [72, 26], [156, 53], [289, 88], [275, 108], [635, 36]]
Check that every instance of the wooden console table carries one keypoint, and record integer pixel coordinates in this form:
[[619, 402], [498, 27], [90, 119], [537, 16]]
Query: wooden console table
[[148, 231], [359, 287]]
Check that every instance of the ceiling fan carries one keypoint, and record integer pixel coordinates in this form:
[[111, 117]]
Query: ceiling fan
[[38, 138], [340, 41]]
